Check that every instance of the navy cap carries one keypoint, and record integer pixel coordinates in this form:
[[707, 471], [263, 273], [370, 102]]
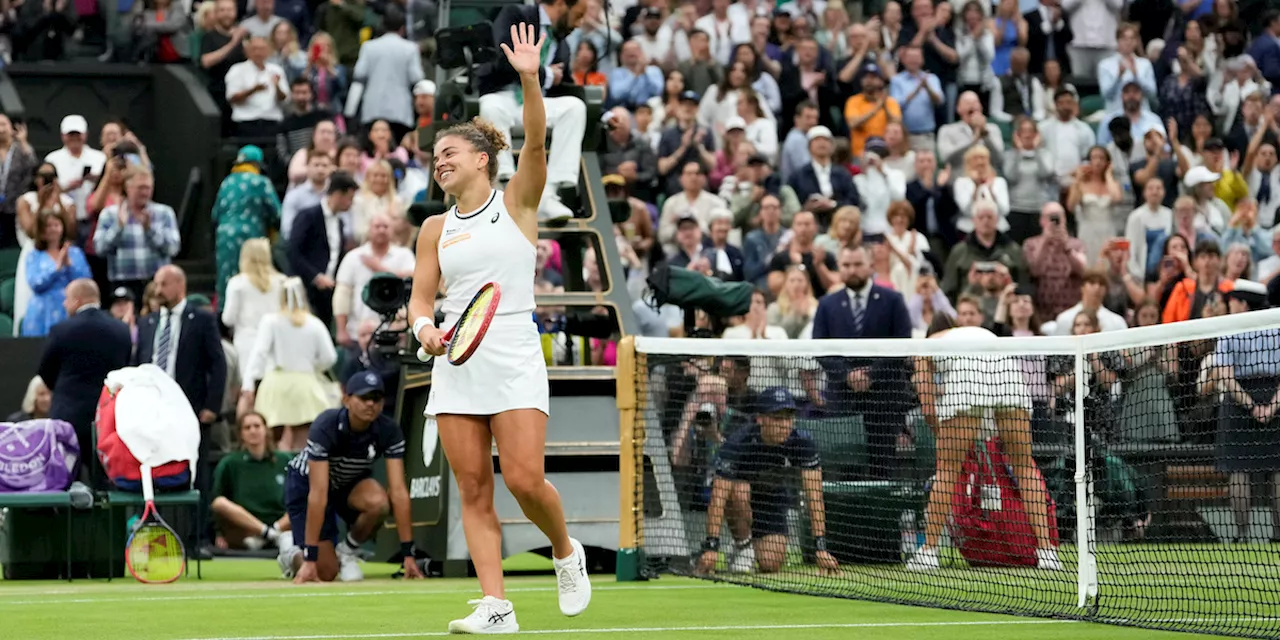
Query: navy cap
[[872, 67], [690, 94], [877, 145], [363, 383], [775, 400]]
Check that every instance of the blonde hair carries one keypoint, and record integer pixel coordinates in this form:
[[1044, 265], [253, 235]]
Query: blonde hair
[[291, 46], [293, 301], [255, 263], [785, 302], [29, 400], [850, 213]]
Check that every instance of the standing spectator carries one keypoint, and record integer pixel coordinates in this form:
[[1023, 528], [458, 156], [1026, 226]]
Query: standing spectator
[[919, 94], [720, 102], [160, 32], [845, 230], [906, 245], [1135, 113], [246, 490], [46, 199], [1018, 93], [972, 129], [1147, 409], [1182, 95], [653, 36], [286, 52], [1229, 187], [1211, 211], [328, 78], [868, 113], [251, 294], [762, 81], [1187, 299], [930, 30], [246, 207], [1048, 35], [43, 29], [316, 244], [1057, 262], [795, 148], [309, 193], [1093, 25], [901, 156], [1066, 138], [802, 250], [78, 354], [255, 90], [1249, 122], [377, 255], [137, 236], [79, 167], [1028, 169], [682, 143], [699, 70], [725, 29], [20, 164], [1266, 49], [871, 388], [823, 185], [635, 81], [1010, 31], [1145, 226], [1160, 164], [389, 66], [49, 270], [1093, 291], [343, 21], [1124, 67], [976, 46], [292, 391], [761, 243], [1091, 198], [301, 119], [1242, 230], [1263, 179], [931, 198], [807, 77], [880, 184], [220, 49], [263, 21], [759, 127], [978, 184], [1239, 80], [985, 244]]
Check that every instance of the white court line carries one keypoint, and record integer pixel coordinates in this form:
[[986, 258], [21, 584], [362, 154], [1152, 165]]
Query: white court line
[[284, 592], [745, 627]]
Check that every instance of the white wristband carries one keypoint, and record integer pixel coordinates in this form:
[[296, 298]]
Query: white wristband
[[421, 322]]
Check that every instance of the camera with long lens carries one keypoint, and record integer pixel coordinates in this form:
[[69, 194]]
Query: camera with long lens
[[386, 294]]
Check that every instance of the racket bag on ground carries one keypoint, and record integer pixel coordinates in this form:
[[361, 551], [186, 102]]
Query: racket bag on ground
[[37, 455], [122, 468], [990, 523]]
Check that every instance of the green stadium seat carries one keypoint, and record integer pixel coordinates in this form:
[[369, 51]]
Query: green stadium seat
[[6, 326], [1090, 105], [6, 295], [9, 262], [842, 445], [40, 500]]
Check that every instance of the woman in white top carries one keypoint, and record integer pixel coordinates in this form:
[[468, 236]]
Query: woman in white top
[[292, 392], [46, 198], [906, 245], [958, 394], [976, 47], [501, 393], [720, 102], [761, 131], [378, 195], [1090, 198], [251, 294], [979, 182], [1145, 225]]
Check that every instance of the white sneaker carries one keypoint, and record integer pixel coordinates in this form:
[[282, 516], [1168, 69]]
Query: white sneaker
[[348, 564], [253, 543], [491, 617], [740, 559], [551, 209], [575, 587], [1047, 559], [285, 541], [924, 559], [285, 560]]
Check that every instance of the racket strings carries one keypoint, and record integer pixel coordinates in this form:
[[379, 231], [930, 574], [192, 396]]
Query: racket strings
[[156, 554], [470, 323]]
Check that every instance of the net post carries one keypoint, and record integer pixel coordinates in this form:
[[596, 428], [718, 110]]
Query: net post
[[1087, 566], [630, 559]]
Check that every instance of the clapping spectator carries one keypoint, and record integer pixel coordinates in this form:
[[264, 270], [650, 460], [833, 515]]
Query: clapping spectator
[[1145, 225], [1125, 67], [689, 251], [42, 30], [635, 81], [49, 269], [926, 301], [693, 199], [1029, 171], [972, 129], [868, 112], [683, 143], [255, 90], [1048, 35], [137, 236], [263, 20], [976, 46], [795, 304], [918, 94], [980, 183], [246, 207], [901, 158], [585, 68], [46, 199], [823, 185], [906, 247], [628, 154], [803, 250], [1135, 114], [1066, 138], [930, 196], [287, 53], [1182, 95], [220, 49], [1018, 93], [878, 186]]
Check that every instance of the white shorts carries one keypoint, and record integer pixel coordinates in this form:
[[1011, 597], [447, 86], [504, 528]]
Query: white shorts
[[972, 393], [506, 372]]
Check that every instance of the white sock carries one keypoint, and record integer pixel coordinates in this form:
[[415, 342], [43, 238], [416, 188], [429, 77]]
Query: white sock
[[742, 544], [270, 532]]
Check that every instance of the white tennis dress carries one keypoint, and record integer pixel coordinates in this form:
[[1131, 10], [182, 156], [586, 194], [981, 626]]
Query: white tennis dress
[[979, 382], [507, 370]]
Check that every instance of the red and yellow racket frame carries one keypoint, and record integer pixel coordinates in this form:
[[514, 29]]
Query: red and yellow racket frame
[[489, 311]]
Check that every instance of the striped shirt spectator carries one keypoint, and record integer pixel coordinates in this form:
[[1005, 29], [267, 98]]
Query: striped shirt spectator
[[137, 236]]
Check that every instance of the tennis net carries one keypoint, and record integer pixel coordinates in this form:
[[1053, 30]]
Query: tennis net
[[1126, 477]]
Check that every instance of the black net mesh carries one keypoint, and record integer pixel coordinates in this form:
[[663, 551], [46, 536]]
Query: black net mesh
[[950, 481]]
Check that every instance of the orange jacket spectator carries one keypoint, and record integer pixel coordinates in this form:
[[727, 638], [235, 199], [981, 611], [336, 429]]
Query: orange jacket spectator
[[1178, 308]]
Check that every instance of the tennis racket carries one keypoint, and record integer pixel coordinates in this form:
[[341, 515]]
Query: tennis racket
[[464, 337], [154, 554]]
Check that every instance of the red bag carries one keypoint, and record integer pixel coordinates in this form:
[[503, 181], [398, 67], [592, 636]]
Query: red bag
[[991, 526], [124, 470]]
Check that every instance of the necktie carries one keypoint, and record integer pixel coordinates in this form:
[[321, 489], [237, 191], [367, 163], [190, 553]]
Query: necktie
[[1264, 190], [542, 60], [162, 349], [858, 313]]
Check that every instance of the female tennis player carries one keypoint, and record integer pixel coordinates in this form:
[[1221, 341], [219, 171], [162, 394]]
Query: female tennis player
[[958, 394], [501, 392]]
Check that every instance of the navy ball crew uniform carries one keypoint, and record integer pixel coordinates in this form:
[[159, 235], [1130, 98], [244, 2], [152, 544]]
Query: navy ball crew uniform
[[350, 456], [771, 471]]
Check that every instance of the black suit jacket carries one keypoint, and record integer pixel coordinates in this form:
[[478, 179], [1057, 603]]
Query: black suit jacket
[[885, 316], [78, 354], [805, 183], [201, 367], [309, 245], [498, 74], [944, 211], [1038, 40]]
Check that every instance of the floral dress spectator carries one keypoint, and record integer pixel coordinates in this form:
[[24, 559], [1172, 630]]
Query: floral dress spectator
[[54, 264], [246, 207]]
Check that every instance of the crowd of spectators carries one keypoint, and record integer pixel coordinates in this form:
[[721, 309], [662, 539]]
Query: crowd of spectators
[[1047, 167]]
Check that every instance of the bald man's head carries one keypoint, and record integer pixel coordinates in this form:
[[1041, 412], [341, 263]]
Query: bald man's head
[[80, 293], [171, 285]]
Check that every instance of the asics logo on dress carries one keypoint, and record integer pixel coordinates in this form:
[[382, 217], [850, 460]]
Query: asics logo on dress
[[449, 232]]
